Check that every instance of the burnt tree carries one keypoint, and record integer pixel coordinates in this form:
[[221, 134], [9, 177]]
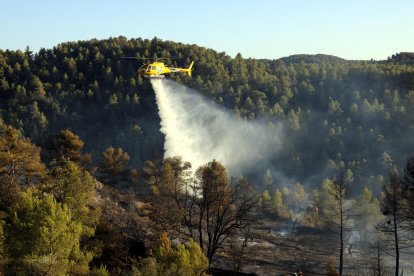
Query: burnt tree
[[214, 208], [394, 208]]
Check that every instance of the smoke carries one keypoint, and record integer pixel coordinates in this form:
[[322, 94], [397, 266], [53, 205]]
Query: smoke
[[199, 131]]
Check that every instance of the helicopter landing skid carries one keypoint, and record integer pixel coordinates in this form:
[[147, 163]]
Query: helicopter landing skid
[[156, 77]]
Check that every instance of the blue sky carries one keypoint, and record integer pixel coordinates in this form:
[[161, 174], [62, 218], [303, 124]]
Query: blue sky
[[352, 29]]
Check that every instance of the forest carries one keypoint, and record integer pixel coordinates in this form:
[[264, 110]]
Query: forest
[[84, 189]]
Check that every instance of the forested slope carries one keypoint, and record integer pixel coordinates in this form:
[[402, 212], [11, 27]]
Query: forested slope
[[354, 116]]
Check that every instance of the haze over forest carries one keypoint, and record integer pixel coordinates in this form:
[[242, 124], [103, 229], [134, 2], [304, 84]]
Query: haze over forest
[[336, 114], [321, 119]]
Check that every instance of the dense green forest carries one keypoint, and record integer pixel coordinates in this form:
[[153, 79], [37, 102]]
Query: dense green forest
[[84, 189], [344, 115]]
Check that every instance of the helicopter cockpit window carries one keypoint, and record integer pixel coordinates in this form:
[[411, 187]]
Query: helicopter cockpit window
[[154, 68]]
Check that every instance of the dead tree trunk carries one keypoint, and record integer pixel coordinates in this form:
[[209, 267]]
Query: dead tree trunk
[[397, 251], [393, 207], [341, 254]]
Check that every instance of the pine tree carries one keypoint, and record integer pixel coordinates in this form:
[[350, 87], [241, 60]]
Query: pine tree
[[65, 144], [75, 188], [114, 162], [20, 165], [184, 259], [42, 239]]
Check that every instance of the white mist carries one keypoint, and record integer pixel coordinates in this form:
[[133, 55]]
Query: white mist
[[199, 131]]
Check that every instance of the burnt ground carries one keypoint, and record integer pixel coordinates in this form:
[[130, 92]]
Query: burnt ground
[[277, 248]]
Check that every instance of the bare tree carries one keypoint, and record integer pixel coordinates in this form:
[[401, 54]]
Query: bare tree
[[408, 186], [238, 247], [209, 207], [395, 209], [214, 208], [378, 265]]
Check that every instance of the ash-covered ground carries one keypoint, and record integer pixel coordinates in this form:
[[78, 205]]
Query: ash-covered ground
[[280, 248]]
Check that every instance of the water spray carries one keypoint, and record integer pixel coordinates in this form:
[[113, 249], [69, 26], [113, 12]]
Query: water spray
[[200, 131]]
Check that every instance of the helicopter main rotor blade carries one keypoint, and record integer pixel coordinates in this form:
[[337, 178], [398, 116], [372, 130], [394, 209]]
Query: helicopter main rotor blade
[[133, 58]]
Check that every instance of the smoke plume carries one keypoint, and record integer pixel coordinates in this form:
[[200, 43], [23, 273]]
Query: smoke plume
[[199, 131]]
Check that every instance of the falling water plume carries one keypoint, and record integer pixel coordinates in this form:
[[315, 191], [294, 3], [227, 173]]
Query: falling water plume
[[200, 131]]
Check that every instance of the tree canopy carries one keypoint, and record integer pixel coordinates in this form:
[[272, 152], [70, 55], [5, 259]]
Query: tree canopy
[[42, 238], [330, 106]]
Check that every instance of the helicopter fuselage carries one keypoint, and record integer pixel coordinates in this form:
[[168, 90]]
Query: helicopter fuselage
[[158, 70]]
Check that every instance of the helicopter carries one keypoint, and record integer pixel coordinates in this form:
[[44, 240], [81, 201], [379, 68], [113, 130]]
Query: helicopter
[[157, 69]]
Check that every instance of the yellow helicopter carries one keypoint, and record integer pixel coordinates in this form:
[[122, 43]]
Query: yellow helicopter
[[157, 69]]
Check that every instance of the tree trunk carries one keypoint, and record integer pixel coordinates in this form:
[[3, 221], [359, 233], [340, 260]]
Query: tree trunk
[[341, 253], [397, 251], [378, 257]]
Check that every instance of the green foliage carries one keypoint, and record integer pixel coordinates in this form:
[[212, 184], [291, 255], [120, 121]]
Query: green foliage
[[278, 205], [101, 271], [85, 86], [184, 259], [167, 184], [19, 165], [323, 213], [214, 180], [265, 200], [287, 203], [368, 210], [175, 174], [114, 162], [75, 188], [42, 238], [403, 58], [65, 144]]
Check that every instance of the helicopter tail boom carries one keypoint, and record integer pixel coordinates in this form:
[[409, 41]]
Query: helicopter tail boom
[[190, 68], [187, 70]]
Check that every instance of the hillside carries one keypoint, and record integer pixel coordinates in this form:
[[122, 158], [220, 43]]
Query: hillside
[[309, 59], [83, 183], [402, 58], [348, 115]]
